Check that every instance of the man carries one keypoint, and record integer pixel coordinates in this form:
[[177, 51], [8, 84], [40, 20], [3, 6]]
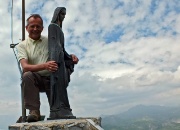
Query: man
[[33, 57]]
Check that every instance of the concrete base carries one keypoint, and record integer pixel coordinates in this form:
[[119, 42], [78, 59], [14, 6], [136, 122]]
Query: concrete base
[[61, 124]]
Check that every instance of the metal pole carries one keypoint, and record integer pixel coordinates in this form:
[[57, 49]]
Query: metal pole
[[23, 38], [23, 19]]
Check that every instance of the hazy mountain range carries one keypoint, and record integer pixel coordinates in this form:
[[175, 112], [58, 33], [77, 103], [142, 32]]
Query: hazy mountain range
[[137, 118], [144, 118], [7, 120]]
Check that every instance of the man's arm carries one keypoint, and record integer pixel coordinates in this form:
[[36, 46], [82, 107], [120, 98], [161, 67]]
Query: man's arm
[[50, 66]]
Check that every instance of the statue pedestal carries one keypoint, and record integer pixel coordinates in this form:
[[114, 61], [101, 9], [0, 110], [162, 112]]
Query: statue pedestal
[[90, 123]]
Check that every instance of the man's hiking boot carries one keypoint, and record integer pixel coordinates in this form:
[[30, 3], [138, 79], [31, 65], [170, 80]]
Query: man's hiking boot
[[34, 116]]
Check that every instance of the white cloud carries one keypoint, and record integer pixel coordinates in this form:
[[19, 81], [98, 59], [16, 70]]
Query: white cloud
[[128, 55]]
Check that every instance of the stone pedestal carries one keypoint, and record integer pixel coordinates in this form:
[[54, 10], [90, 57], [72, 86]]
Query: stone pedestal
[[62, 124]]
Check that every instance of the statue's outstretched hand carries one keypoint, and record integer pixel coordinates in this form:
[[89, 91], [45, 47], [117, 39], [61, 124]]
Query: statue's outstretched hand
[[74, 58]]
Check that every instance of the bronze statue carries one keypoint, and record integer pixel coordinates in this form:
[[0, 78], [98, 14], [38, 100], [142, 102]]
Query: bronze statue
[[59, 103]]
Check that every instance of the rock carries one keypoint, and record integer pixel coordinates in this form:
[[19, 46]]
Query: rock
[[89, 123]]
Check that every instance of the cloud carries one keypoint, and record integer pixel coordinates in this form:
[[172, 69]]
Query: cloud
[[128, 53]]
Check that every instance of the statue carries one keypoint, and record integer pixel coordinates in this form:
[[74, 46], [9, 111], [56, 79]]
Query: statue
[[59, 103]]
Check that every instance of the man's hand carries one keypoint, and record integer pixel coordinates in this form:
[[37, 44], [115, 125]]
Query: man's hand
[[74, 58], [51, 66]]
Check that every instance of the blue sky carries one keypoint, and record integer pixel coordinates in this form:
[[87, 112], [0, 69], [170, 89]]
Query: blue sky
[[128, 51]]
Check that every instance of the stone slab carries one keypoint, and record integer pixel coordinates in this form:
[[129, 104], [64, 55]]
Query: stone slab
[[88, 123]]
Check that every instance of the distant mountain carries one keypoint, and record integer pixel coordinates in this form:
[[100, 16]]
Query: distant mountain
[[144, 118], [6, 121]]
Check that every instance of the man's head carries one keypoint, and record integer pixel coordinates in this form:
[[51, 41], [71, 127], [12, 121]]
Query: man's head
[[34, 26]]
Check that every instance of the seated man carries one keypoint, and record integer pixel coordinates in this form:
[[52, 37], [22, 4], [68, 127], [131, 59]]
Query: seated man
[[33, 57]]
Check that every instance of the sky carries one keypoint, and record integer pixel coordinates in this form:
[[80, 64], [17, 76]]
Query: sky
[[128, 53]]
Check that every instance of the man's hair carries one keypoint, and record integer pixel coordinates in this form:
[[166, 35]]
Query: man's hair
[[34, 16]]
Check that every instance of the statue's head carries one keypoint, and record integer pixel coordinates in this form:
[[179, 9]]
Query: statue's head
[[59, 15]]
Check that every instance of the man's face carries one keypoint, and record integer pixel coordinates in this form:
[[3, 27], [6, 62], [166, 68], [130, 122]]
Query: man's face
[[34, 28], [62, 15]]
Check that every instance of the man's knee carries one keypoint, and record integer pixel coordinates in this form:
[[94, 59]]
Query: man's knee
[[27, 75]]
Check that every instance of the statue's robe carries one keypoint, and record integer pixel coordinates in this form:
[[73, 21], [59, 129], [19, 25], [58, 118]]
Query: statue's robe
[[59, 79]]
